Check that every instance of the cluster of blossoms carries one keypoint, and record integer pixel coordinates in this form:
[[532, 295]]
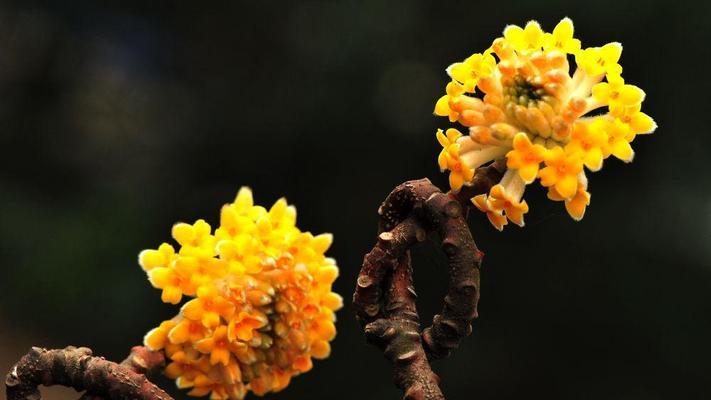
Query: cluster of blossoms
[[261, 302], [524, 105]]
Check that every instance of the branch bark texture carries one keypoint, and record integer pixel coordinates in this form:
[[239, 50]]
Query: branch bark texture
[[384, 297], [79, 369]]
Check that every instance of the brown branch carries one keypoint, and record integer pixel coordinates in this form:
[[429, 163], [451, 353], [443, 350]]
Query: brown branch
[[78, 369], [144, 361], [384, 297], [485, 179], [141, 360], [391, 321]]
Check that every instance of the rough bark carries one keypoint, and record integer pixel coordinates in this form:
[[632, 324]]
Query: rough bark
[[77, 368], [384, 297]]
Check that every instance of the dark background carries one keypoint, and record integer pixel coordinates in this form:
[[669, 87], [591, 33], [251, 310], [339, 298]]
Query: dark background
[[118, 120]]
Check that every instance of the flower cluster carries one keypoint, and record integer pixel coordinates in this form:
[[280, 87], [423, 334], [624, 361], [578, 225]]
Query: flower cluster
[[518, 100], [261, 305]]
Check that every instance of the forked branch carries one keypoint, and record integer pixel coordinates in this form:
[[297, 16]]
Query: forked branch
[[384, 297]]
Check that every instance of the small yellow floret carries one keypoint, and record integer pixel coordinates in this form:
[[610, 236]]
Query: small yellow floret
[[494, 215], [588, 143], [525, 157], [449, 159], [472, 69], [617, 93], [527, 39], [598, 61], [561, 171], [575, 205], [443, 107], [562, 38], [512, 208]]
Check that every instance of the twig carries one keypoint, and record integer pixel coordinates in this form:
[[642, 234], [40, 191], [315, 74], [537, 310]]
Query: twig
[[77, 368], [384, 297]]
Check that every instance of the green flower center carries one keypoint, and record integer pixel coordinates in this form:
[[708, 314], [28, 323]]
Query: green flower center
[[522, 92]]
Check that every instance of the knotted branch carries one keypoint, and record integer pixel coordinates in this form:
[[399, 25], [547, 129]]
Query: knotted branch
[[384, 297], [78, 369]]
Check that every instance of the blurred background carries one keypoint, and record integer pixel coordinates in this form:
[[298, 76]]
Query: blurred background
[[118, 120]]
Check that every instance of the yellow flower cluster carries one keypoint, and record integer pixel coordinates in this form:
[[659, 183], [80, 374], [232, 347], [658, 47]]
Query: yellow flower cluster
[[518, 100], [261, 305]]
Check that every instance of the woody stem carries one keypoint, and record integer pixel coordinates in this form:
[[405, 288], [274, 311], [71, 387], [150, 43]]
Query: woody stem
[[78, 369], [384, 297]]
